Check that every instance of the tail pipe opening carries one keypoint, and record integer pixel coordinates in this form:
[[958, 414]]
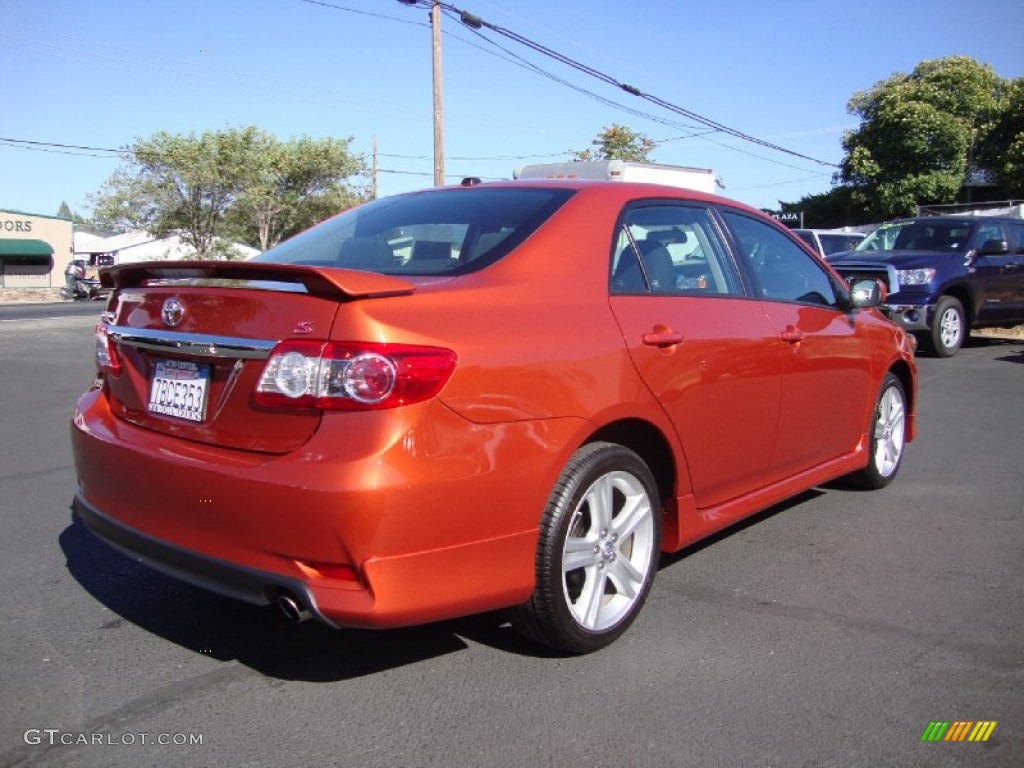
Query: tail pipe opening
[[293, 608]]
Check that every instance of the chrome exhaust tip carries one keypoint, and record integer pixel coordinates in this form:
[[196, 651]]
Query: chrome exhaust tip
[[293, 610]]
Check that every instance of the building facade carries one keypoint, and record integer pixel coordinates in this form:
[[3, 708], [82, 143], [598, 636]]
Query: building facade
[[34, 250]]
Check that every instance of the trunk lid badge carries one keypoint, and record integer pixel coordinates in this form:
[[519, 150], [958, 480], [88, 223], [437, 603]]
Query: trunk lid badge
[[172, 313]]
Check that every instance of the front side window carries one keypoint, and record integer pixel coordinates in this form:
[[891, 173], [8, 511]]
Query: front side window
[[442, 232], [672, 249], [783, 270]]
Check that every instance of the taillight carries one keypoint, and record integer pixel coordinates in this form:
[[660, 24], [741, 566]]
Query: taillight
[[351, 376], [107, 358]]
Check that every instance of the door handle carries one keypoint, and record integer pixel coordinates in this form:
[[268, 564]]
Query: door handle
[[662, 339], [792, 334]]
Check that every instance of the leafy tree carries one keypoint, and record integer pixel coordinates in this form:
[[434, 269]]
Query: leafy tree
[[828, 210], [177, 184], [65, 210], [236, 182], [617, 142], [1002, 150], [917, 133], [294, 185]]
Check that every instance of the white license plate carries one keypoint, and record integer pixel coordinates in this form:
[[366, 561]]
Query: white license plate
[[178, 389]]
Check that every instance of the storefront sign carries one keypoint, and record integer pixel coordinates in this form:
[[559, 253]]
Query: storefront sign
[[15, 225]]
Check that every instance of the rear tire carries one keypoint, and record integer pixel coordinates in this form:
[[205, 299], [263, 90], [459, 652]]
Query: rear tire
[[600, 537], [887, 436]]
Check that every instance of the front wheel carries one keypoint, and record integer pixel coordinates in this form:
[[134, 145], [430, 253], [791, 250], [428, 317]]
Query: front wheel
[[949, 328], [887, 436], [599, 541]]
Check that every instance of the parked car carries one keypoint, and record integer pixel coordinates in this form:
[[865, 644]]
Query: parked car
[[513, 395], [825, 242], [946, 274]]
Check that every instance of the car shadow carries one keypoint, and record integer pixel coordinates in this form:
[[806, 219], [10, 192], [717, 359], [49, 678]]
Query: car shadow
[[1013, 345], [672, 558], [259, 636]]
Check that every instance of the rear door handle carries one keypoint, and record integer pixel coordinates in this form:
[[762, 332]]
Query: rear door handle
[[792, 335], [662, 339]]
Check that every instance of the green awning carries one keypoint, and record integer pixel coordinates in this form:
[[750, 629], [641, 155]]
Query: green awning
[[25, 248]]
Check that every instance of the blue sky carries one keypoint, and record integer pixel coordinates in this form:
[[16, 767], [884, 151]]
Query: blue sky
[[104, 72]]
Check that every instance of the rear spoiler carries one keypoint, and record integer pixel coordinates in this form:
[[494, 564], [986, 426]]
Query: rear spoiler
[[327, 282]]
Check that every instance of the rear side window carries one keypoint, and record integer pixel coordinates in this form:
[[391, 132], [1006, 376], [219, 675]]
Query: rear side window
[[1016, 237], [671, 249], [807, 237], [442, 232], [988, 231]]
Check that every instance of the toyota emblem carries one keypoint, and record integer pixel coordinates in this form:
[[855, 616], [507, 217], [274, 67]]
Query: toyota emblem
[[172, 313]]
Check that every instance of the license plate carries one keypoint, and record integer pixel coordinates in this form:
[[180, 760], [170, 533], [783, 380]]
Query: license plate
[[178, 389]]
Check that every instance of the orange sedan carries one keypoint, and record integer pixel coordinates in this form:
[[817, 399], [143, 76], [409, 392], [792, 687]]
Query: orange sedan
[[512, 395]]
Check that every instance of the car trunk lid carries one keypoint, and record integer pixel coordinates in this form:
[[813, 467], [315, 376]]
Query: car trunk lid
[[192, 339]]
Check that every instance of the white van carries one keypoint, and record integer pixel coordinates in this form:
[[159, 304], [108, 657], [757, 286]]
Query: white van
[[700, 179]]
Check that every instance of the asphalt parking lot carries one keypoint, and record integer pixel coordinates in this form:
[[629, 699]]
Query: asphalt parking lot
[[828, 631]]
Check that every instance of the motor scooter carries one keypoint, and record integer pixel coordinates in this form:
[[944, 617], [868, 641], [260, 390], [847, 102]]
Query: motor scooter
[[85, 289]]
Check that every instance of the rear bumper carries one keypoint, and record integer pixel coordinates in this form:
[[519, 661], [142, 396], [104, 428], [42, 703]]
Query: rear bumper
[[229, 579], [369, 524]]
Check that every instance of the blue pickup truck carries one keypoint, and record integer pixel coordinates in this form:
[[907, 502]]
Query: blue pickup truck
[[945, 275]]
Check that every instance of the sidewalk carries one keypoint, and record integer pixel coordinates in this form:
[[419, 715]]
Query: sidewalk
[[29, 295]]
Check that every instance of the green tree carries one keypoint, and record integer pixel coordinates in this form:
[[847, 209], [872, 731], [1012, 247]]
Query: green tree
[[917, 134], [180, 184], [828, 210], [1002, 149], [617, 142], [294, 185], [64, 211], [236, 182]]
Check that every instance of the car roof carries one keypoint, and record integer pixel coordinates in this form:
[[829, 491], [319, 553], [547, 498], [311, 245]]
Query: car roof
[[957, 219], [830, 232], [623, 189]]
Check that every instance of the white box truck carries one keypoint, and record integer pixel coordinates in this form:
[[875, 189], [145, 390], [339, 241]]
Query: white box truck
[[700, 179]]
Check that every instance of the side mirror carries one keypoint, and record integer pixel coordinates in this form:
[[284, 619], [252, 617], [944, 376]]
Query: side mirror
[[867, 293], [994, 248]]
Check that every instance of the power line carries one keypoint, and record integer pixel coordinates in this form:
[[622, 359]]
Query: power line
[[62, 146], [476, 23], [519, 61], [62, 149], [335, 7]]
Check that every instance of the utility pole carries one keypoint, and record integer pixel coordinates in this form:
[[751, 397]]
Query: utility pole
[[435, 30], [435, 26], [373, 188]]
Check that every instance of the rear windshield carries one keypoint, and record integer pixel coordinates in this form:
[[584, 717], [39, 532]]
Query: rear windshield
[[441, 232], [839, 242]]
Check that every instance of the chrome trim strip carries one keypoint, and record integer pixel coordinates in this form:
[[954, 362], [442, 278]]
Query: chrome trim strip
[[194, 344]]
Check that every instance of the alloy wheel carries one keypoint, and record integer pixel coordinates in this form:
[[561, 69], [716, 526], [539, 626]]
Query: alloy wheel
[[609, 551]]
